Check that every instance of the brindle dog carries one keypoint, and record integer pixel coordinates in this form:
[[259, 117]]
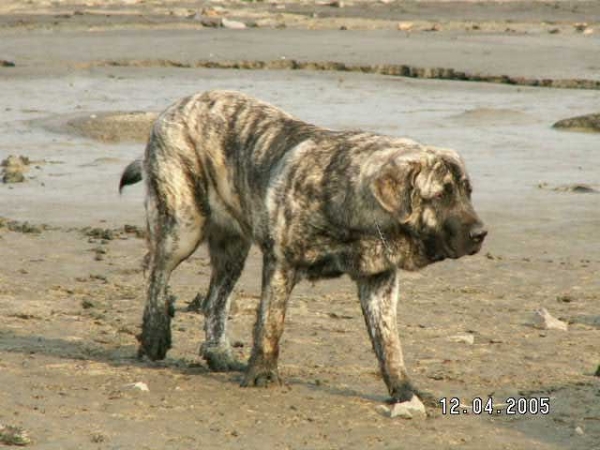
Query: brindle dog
[[231, 170]]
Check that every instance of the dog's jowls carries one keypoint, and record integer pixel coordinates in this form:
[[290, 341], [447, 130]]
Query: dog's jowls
[[229, 170]]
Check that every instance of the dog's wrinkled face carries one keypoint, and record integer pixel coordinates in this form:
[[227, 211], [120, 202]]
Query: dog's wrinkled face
[[431, 196]]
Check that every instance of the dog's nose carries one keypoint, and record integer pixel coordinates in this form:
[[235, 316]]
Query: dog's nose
[[478, 233]]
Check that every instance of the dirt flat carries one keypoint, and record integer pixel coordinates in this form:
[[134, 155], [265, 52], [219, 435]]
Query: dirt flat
[[72, 288]]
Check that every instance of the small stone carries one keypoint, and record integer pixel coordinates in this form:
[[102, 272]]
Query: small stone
[[434, 27], [233, 24], [414, 409], [13, 176], [14, 168], [97, 438], [565, 298], [580, 26], [383, 410], [87, 304], [586, 123], [139, 386], [10, 435], [579, 431], [332, 3], [463, 338], [210, 22], [544, 321], [576, 188], [405, 26], [588, 31]]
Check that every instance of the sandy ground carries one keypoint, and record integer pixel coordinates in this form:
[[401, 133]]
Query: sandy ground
[[71, 283]]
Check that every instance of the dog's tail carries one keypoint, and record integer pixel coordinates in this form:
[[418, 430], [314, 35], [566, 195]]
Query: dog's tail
[[132, 174]]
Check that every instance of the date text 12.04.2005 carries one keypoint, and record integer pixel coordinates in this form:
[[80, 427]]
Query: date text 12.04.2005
[[511, 406]]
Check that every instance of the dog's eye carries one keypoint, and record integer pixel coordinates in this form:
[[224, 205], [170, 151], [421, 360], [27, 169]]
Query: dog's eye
[[448, 188]]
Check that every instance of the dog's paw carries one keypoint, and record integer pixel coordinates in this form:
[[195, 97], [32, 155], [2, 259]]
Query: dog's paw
[[261, 378], [406, 391], [155, 338], [220, 359]]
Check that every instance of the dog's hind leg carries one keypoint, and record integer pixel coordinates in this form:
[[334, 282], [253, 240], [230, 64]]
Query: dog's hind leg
[[175, 229], [228, 253]]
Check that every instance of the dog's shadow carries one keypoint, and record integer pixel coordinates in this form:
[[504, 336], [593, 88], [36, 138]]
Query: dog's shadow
[[127, 356]]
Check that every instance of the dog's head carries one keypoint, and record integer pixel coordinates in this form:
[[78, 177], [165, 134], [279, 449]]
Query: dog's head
[[428, 193]]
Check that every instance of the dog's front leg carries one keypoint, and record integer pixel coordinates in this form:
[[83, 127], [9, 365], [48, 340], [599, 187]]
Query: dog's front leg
[[277, 284], [379, 298]]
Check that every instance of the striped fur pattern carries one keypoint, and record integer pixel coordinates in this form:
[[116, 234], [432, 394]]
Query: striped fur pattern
[[224, 168]]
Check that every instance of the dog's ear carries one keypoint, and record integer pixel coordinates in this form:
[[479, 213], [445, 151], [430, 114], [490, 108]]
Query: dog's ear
[[393, 187]]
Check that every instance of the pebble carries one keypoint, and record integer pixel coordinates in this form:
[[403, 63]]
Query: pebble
[[333, 3], [464, 338], [544, 321], [414, 409], [140, 386], [576, 188], [405, 26], [232, 24], [14, 168], [579, 431]]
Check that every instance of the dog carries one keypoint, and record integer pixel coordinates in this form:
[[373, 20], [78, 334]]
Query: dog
[[228, 169]]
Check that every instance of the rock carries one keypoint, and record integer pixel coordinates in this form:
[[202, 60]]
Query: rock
[[6, 63], [579, 431], [565, 298], [10, 435], [588, 31], [463, 338], [576, 188], [13, 176], [14, 168], [210, 22], [588, 122], [580, 26], [414, 409], [139, 386], [434, 27], [23, 227], [232, 24], [544, 321], [383, 410], [405, 26], [333, 3]]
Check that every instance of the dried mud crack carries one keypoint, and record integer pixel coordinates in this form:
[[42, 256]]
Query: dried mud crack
[[397, 70]]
